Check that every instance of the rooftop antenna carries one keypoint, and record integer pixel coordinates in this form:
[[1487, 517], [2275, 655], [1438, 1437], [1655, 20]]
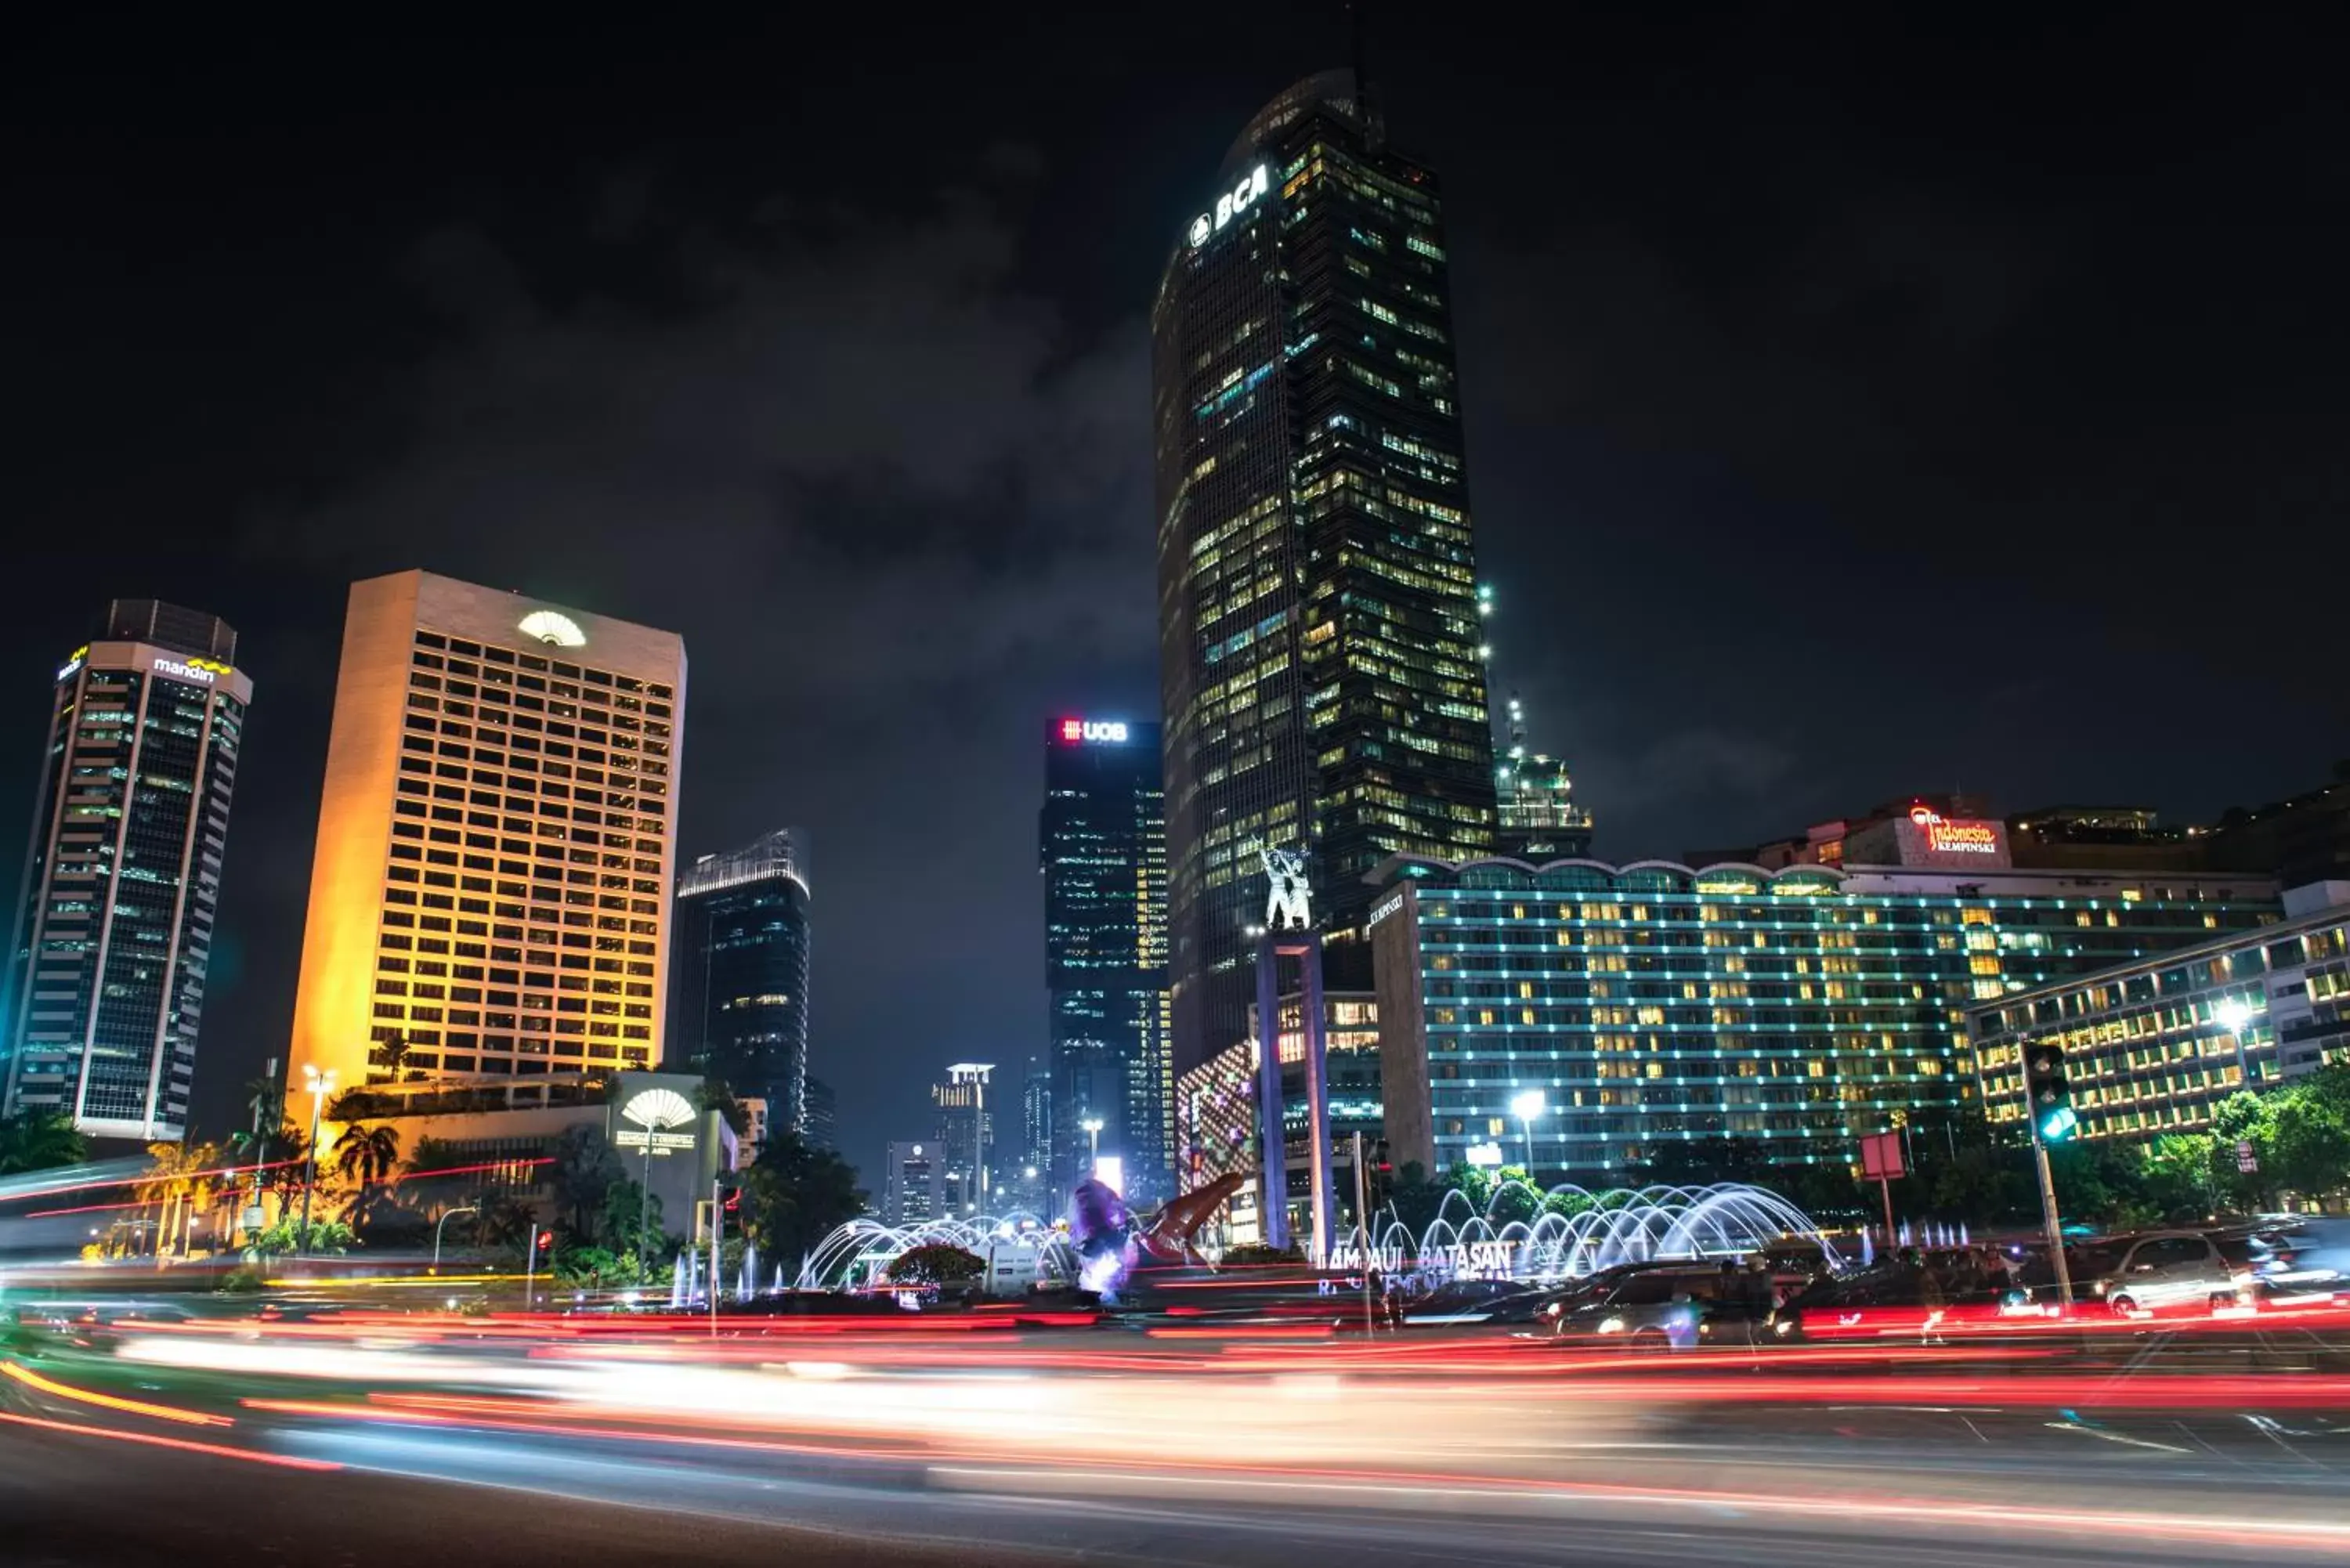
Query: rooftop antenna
[[1363, 109]]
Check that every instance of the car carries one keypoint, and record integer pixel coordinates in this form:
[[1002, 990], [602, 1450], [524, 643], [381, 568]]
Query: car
[[2163, 1270], [2298, 1245], [1477, 1301], [1670, 1306]]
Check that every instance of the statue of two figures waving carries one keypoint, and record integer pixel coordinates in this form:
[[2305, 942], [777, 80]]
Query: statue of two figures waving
[[1288, 899]]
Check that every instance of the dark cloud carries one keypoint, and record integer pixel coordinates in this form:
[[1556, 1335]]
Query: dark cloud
[[1852, 409], [899, 511]]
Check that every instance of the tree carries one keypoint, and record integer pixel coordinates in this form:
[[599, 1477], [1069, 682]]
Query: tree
[[391, 1055], [597, 1268], [501, 1220], [367, 1155], [632, 1221], [717, 1094], [795, 1195], [937, 1263], [39, 1141], [1415, 1200], [324, 1237], [585, 1169]]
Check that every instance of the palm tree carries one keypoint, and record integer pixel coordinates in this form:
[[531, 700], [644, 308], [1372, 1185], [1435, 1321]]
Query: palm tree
[[501, 1220], [367, 1154], [584, 1171], [38, 1140]]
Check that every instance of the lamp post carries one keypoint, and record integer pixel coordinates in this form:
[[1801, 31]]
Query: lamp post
[[1526, 1105], [320, 1084], [436, 1232]]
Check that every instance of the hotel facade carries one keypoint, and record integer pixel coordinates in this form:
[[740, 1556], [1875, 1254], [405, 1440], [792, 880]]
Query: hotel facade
[[489, 896], [1660, 1002]]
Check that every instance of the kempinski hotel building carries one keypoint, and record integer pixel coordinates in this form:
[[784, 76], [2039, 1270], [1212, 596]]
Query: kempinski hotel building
[[1804, 1006]]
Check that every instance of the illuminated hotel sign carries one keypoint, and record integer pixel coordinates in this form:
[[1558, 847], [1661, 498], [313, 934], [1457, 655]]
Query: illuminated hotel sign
[[1080, 731], [1232, 204], [1944, 836], [202, 671], [66, 670]]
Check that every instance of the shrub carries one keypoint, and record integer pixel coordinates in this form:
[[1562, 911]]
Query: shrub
[[937, 1263]]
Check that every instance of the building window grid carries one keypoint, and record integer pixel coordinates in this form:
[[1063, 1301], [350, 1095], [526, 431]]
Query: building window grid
[[527, 833], [1870, 1064]]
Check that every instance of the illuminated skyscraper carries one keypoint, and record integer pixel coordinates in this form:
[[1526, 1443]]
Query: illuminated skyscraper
[[1538, 819], [738, 1003], [1321, 668], [114, 920], [495, 841], [1103, 849]]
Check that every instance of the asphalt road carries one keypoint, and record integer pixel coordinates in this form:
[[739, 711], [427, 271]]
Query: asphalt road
[[966, 1457]]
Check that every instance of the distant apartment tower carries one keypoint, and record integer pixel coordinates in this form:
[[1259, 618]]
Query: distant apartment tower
[[1103, 849], [495, 841], [1037, 1117], [822, 1126], [114, 919], [739, 967], [913, 1185], [966, 1135], [1321, 667]]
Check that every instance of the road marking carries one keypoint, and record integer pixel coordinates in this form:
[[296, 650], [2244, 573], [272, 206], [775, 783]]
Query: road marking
[[2115, 1437]]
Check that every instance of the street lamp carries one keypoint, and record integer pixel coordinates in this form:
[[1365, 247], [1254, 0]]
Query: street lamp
[[320, 1084], [2234, 1014], [445, 1214], [1093, 1126], [1526, 1105]]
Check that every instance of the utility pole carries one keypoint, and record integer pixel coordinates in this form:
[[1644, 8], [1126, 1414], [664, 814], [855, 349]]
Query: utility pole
[[270, 1096], [717, 1227], [2055, 1225], [321, 1085], [1363, 1232]]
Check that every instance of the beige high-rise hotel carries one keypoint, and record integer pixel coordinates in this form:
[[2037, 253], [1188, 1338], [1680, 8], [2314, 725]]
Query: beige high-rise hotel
[[495, 843]]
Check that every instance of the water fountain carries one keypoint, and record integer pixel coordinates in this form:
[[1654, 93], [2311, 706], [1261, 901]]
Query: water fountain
[[860, 1252], [1575, 1230]]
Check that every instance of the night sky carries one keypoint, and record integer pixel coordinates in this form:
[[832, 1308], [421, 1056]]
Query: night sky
[[1851, 411]]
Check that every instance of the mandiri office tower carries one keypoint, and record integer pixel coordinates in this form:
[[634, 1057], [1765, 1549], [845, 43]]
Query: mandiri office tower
[[1320, 666]]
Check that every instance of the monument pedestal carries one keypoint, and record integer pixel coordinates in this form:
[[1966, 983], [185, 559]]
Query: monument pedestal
[[1273, 1187]]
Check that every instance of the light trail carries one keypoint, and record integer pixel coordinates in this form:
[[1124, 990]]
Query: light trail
[[1841, 1508], [222, 1450], [31, 1380]]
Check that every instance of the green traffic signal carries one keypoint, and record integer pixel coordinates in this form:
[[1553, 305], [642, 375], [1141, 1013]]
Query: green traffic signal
[[2049, 1092]]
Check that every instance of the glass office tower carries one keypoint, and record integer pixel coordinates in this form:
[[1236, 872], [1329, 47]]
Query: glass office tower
[[1103, 850], [1320, 665], [739, 992], [114, 920]]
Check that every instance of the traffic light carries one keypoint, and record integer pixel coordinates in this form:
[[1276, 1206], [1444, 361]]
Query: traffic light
[[2048, 1092], [1382, 1177], [547, 1240]]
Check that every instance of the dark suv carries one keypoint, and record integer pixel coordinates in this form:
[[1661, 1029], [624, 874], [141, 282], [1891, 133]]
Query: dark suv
[[1666, 1306]]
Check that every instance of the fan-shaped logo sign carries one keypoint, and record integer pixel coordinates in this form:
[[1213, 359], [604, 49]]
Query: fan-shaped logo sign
[[656, 1111], [658, 1108], [549, 626]]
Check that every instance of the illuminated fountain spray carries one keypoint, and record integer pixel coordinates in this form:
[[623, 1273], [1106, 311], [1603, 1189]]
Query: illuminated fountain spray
[[1575, 1231], [861, 1252]]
